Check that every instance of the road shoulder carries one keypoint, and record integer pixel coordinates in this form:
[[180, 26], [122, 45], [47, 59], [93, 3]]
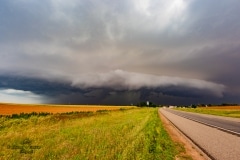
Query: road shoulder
[[190, 150]]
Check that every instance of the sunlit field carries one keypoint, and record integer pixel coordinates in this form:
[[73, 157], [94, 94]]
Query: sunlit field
[[124, 134], [8, 109], [227, 111]]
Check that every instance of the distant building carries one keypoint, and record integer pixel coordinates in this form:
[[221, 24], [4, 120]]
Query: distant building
[[147, 103]]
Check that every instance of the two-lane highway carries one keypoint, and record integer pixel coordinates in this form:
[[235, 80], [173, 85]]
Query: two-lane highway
[[219, 139], [213, 121]]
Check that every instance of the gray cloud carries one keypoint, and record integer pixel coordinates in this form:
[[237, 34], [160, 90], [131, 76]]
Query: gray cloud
[[183, 43], [119, 79]]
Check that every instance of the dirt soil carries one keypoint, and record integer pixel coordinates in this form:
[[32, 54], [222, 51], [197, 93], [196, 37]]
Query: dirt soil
[[190, 152]]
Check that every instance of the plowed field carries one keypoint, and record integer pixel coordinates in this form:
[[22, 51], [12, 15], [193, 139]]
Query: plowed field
[[9, 109]]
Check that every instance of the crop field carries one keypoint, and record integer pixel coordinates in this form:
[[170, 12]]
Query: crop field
[[9, 109], [124, 134], [224, 107], [226, 111]]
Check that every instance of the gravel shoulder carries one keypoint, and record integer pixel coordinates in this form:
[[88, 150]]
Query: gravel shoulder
[[191, 151]]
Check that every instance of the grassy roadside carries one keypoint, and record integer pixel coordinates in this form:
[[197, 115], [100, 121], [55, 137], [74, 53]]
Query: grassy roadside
[[126, 134], [218, 112]]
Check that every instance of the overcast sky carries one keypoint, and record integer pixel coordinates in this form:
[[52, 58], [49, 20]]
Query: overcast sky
[[164, 46]]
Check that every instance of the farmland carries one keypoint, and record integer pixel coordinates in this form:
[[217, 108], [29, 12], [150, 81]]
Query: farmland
[[123, 134], [226, 111], [9, 109]]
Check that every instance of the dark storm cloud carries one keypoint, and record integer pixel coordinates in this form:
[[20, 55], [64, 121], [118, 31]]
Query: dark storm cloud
[[190, 45], [43, 91]]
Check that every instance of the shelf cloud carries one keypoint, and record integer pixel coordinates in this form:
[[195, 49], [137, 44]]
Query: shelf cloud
[[121, 80]]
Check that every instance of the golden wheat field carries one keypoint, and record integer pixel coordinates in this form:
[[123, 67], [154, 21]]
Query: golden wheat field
[[9, 109]]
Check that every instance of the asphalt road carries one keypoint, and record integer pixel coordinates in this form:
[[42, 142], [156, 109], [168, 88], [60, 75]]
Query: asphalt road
[[214, 121], [221, 142]]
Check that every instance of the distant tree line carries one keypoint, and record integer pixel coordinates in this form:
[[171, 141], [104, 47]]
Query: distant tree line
[[209, 105], [223, 104], [229, 104], [147, 104]]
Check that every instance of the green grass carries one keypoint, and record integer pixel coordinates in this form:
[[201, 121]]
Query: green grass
[[127, 134], [217, 112]]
